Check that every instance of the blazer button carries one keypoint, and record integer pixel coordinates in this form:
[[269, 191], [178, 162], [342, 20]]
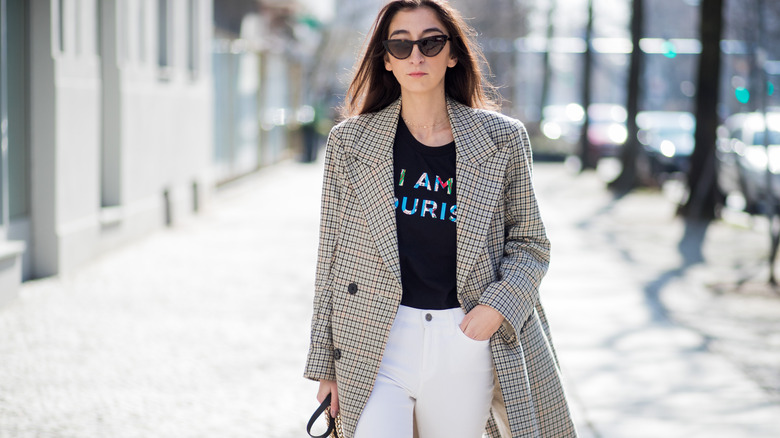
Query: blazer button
[[336, 354], [352, 288]]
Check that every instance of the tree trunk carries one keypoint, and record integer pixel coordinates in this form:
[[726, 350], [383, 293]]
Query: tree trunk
[[773, 215], [587, 157], [547, 75], [704, 196], [627, 180]]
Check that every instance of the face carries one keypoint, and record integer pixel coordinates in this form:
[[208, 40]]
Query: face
[[419, 73]]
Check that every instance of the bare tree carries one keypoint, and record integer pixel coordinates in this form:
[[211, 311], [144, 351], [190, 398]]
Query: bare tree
[[627, 179], [498, 24], [547, 74], [771, 201], [587, 158], [704, 195]]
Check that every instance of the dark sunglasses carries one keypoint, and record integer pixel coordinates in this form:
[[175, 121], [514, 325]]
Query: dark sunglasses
[[429, 46]]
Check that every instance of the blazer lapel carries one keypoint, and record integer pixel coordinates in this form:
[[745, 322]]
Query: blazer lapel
[[371, 175], [478, 186]]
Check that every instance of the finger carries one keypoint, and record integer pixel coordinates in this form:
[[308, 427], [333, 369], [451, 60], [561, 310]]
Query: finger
[[473, 334], [465, 323], [334, 403], [471, 331]]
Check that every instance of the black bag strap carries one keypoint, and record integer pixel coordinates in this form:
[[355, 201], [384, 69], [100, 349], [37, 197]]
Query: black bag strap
[[331, 422]]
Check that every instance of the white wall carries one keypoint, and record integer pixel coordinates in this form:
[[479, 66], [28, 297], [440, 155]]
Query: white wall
[[155, 132]]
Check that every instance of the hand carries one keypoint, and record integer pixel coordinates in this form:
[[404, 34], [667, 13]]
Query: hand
[[329, 387], [481, 322]]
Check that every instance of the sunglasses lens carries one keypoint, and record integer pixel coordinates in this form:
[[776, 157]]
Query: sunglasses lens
[[400, 49], [431, 46]]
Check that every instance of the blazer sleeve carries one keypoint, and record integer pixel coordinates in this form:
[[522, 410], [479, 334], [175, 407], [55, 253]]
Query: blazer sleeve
[[526, 247], [320, 362]]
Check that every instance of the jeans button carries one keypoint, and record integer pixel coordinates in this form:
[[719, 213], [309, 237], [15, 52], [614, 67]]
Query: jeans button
[[428, 317]]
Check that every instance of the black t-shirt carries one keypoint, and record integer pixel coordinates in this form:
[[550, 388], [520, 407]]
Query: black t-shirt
[[425, 211]]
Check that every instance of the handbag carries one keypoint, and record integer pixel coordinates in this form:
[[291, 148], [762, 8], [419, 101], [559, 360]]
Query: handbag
[[334, 424]]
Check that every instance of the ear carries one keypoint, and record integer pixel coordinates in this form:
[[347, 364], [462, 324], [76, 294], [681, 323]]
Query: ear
[[388, 66], [452, 61]]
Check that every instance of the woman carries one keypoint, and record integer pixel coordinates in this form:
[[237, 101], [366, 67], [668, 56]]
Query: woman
[[427, 318]]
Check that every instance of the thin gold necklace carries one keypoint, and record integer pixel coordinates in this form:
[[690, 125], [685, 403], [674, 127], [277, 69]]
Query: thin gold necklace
[[435, 124]]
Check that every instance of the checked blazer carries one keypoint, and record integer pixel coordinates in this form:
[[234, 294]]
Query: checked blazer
[[502, 255]]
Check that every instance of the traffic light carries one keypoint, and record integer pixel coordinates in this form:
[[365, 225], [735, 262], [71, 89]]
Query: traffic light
[[742, 94], [670, 51]]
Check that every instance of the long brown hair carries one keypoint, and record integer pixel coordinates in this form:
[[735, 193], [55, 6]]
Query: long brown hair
[[373, 87]]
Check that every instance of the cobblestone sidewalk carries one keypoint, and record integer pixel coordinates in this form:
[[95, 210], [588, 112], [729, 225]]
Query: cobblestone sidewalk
[[202, 330]]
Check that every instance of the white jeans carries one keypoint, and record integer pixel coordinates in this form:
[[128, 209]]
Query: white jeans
[[431, 375]]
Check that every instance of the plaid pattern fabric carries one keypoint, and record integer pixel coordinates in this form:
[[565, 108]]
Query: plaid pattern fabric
[[503, 253]]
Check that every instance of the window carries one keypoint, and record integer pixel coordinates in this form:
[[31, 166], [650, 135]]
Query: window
[[163, 38], [15, 68], [99, 29], [193, 38], [77, 26], [142, 32], [3, 148], [61, 25], [122, 41]]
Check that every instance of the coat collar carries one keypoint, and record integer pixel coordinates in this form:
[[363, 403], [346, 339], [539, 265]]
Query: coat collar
[[472, 141], [375, 144]]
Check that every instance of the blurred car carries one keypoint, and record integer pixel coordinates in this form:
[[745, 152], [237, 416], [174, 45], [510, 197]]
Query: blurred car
[[606, 127], [746, 166], [667, 141], [563, 122]]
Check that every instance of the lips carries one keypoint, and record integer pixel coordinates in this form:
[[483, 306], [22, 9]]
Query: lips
[[417, 74]]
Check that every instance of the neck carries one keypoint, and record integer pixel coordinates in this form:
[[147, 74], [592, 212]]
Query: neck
[[427, 112]]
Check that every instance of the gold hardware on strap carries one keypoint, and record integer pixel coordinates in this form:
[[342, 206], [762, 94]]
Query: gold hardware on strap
[[337, 431]]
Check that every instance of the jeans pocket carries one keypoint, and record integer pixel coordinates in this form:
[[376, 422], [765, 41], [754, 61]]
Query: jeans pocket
[[467, 338]]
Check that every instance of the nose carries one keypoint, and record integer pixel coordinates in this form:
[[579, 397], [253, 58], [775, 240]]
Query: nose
[[416, 57]]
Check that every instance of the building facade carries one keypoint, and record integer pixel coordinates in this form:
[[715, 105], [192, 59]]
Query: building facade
[[106, 111]]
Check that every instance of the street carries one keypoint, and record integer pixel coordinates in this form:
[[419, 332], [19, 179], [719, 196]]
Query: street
[[201, 330]]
